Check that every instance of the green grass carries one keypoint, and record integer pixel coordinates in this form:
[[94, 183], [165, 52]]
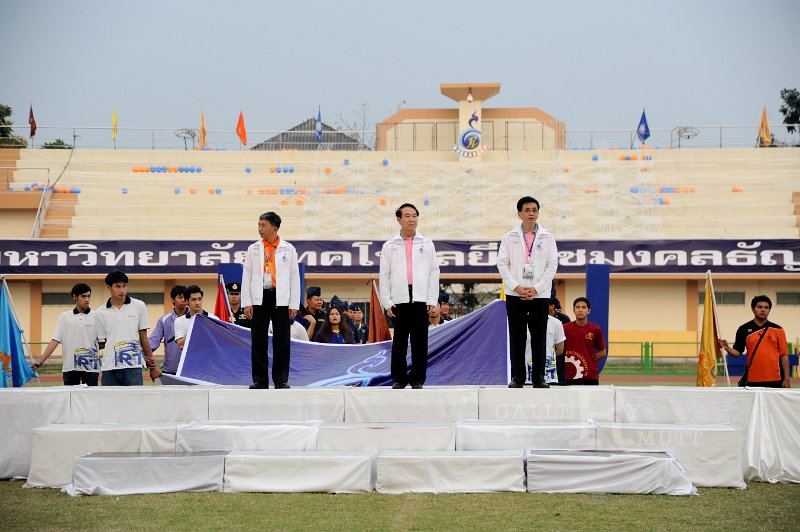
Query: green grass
[[760, 507]]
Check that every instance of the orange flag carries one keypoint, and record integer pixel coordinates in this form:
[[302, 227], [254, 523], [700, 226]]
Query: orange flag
[[378, 327], [709, 346], [202, 141], [764, 135], [240, 130]]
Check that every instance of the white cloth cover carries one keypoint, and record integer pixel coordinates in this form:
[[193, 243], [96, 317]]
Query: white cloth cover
[[387, 437], [673, 404], [21, 411], [450, 471], [606, 472], [55, 447], [565, 403], [711, 455], [296, 404], [326, 472], [476, 435], [139, 404], [383, 404], [132, 473], [772, 448], [247, 436]]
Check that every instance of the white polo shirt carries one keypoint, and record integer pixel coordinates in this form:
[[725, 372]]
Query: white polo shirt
[[183, 323], [119, 329], [555, 335], [75, 332]]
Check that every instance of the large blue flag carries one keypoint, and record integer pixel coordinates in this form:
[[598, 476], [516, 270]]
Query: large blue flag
[[643, 132], [15, 369], [318, 128], [469, 350]]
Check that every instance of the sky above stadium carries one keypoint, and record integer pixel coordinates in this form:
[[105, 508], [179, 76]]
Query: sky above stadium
[[593, 64]]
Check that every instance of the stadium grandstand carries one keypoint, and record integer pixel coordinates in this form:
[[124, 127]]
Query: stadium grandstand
[[342, 189]]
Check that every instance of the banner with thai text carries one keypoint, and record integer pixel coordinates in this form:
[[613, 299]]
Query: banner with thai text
[[46, 257]]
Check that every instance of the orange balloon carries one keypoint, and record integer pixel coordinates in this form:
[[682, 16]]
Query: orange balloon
[[645, 169], [210, 190], [299, 202], [382, 201], [327, 169], [192, 191], [284, 202], [566, 170], [249, 190], [621, 157], [271, 169]]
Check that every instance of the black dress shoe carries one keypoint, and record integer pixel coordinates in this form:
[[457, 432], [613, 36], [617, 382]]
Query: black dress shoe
[[416, 386], [259, 386], [513, 384], [540, 384], [398, 386], [282, 386]]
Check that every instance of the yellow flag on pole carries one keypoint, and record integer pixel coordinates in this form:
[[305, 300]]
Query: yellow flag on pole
[[709, 345], [764, 135], [114, 125], [202, 140]]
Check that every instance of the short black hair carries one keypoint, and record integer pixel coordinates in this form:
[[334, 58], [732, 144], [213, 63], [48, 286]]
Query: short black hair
[[116, 277], [585, 300], [192, 289], [760, 299], [526, 199], [272, 218], [444, 298], [81, 288], [398, 213], [177, 290]]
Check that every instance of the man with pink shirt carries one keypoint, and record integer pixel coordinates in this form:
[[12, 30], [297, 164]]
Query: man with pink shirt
[[527, 261], [409, 288]]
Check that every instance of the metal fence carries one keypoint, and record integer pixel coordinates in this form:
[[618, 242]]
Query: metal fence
[[406, 136]]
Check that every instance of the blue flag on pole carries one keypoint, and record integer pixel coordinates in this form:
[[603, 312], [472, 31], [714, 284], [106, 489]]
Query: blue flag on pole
[[15, 369], [318, 128], [643, 132]]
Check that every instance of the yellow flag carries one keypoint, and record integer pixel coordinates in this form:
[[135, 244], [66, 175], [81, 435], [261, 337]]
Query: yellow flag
[[764, 135], [202, 141], [709, 346], [114, 125]]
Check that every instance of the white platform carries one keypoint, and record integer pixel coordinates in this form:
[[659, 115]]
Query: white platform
[[606, 472], [380, 437], [55, 447], [247, 436], [710, 454], [772, 446], [381, 404], [450, 472], [326, 472], [476, 435], [557, 403], [296, 404], [21, 411], [139, 404], [132, 473]]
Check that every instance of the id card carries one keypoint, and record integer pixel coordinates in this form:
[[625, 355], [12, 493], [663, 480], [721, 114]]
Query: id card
[[527, 272], [267, 281]]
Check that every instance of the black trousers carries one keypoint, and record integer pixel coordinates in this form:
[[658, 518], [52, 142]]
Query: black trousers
[[528, 314], [74, 378], [411, 319], [259, 333]]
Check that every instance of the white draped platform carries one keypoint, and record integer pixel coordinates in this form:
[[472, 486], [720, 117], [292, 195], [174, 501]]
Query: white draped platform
[[721, 437]]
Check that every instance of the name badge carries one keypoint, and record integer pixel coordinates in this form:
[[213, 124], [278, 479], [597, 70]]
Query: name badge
[[267, 281], [527, 272]]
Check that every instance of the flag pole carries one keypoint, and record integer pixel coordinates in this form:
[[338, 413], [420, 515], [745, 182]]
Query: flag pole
[[21, 332], [221, 280], [716, 326]]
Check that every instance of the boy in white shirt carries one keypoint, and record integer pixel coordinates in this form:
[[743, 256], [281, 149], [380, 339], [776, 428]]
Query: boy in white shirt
[[194, 299], [75, 333]]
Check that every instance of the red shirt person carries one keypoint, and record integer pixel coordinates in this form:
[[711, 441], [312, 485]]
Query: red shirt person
[[583, 347]]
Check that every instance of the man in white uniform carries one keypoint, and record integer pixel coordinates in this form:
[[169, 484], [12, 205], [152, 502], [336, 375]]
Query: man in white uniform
[[194, 298]]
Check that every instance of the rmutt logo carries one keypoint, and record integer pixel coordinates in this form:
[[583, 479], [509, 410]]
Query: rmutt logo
[[469, 140]]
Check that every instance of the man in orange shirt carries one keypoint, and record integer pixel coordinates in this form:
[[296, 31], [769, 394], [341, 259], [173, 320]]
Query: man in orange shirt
[[768, 364]]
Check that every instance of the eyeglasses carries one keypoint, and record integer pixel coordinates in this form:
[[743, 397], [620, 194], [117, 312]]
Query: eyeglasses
[[530, 210]]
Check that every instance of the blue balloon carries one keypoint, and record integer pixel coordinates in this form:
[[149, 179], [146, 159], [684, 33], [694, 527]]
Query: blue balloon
[[124, 190], [152, 168], [346, 162], [291, 169], [218, 191], [385, 162], [247, 169], [199, 169], [278, 169], [75, 190], [594, 157], [27, 189], [425, 202], [177, 190], [285, 169], [191, 169]]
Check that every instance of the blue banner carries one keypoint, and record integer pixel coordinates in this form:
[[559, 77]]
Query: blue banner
[[464, 351], [14, 369]]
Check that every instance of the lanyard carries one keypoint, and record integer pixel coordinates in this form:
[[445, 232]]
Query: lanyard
[[266, 259], [528, 249]]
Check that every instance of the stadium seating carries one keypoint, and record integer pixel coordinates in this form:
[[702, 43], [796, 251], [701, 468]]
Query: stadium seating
[[585, 194]]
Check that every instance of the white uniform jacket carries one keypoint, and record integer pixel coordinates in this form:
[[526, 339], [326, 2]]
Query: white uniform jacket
[[287, 276], [513, 254], [394, 276]]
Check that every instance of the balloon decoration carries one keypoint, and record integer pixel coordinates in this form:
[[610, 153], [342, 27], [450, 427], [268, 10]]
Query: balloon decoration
[[177, 190], [327, 169], [249, 191], [385, 162], [218, 191], [124, 190], [426, 202], [382, 201], [346, 162], [247, 169], [192, 191]]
